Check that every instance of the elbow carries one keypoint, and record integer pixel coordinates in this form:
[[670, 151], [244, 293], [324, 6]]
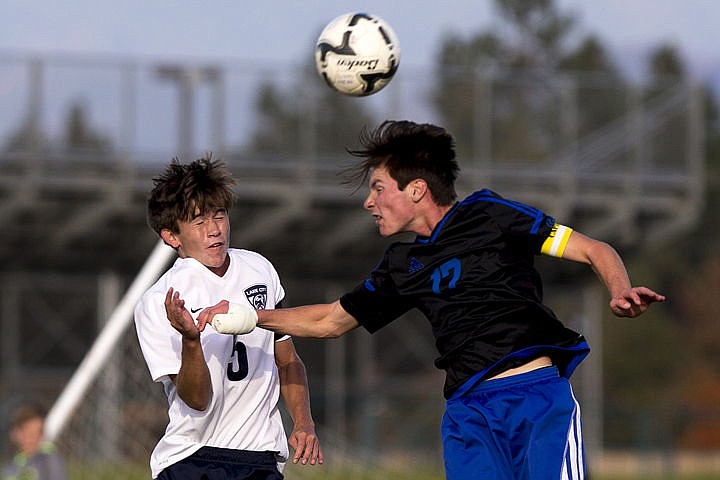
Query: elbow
[[200, 404], [329, 334], [335, 323], [334, 330], [601, 252], [199, 401]]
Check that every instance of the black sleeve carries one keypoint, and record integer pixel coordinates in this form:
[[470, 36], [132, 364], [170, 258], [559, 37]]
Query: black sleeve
[[375, 302], [525, 224]]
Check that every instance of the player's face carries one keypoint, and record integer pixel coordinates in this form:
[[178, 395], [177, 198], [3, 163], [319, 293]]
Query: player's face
[[204, 238], [393, 209], [28, 436]]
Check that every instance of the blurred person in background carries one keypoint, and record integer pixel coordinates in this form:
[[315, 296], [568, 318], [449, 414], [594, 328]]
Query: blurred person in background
[[222, 389], [34, 458]]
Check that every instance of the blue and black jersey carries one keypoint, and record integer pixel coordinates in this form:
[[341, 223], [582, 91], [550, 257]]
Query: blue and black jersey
[[474, 279]]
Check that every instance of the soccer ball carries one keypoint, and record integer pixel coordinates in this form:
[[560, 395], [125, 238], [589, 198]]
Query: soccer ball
[[357, 54]]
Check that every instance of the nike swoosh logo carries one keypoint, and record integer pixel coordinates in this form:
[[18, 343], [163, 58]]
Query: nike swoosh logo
[[195, 310]]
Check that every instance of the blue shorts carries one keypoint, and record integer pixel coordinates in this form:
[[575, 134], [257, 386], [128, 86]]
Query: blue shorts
[[525, 426], [212, 463]]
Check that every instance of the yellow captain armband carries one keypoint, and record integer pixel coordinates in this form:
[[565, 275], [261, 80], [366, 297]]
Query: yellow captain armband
[[555, 243]]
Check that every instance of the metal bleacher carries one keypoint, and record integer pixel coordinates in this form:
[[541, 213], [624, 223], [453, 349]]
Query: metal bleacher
[[72, 215]]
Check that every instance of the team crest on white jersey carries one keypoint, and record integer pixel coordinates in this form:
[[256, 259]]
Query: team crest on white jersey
[[257, 296]]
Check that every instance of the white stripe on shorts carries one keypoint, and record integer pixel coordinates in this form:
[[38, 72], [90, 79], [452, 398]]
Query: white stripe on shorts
[[574, 466]]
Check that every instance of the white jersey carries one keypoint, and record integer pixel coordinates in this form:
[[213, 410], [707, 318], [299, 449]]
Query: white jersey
[[243, 413]]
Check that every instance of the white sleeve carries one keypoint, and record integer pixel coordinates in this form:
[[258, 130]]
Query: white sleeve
[[159, 341]]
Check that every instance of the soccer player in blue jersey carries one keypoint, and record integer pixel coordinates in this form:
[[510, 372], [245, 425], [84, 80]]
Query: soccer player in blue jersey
[[510, 411]]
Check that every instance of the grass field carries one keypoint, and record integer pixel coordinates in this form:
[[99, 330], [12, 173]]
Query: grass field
[[294, 472], [329, 472]]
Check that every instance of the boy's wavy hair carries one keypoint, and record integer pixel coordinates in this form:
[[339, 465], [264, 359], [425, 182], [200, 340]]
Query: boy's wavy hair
[[408, 150], [184, 191]]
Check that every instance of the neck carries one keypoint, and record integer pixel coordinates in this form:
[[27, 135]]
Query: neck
[[432, 219], [220, 271]]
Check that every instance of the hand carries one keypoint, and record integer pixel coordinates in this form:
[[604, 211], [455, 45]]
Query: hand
[[179, 317], [239, 320], [306, 445], [632, 302], [207, 315]]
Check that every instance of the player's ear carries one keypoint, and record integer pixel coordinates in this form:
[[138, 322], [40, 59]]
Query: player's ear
[[419, 189], [169, 238]]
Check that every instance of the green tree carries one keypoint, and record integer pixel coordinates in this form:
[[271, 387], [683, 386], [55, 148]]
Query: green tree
[[690, 267], [320, 121], [599, 86], [27, 137], [80, 135], [508, 76]]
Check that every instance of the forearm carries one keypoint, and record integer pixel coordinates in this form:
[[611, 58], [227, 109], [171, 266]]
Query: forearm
[[625, 300], [314, 321], [296, 394], [609, 267], [193, 380], [602, 258]]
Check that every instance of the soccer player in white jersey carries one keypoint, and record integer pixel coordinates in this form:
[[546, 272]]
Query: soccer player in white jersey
[[510, 411], [222, 389]]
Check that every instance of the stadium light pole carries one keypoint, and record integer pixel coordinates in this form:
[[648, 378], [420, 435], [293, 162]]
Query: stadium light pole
[[103, 347], [187, 79]]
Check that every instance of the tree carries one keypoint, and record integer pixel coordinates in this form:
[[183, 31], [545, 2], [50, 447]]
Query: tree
[[79, 135], [511, 76], [507, 77], [320, 120], [599, 86]]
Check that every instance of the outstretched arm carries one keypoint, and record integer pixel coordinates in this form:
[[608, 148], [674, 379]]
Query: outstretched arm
[[193, 380], [625, 300], [327, 320], [295, 393]]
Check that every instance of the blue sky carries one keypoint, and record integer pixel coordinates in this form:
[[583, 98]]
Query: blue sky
[[283, 33], [285, 30]]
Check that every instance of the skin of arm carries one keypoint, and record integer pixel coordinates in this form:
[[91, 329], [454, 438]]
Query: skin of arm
[[625, 300], [295, 392], [326, 320], [193, 379]]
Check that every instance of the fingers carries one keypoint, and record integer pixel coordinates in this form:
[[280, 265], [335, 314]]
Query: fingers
[[634, 301], [179, 317], [307, 448], [173, 300], [174, 305], [650, 296], [207, 314]]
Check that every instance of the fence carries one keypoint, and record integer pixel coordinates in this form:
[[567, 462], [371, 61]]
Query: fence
[[635, 171]]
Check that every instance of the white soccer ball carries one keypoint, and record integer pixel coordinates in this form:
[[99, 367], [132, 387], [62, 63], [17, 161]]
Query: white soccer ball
[[357, 54]]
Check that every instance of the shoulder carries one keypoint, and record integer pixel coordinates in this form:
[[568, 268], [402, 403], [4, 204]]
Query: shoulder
[[180, 273], [485, 195], [252, 261], [248, 256], [495, 204]]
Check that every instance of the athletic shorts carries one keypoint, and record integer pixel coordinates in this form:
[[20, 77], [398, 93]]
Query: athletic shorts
[[526, 426], [211, 463]]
